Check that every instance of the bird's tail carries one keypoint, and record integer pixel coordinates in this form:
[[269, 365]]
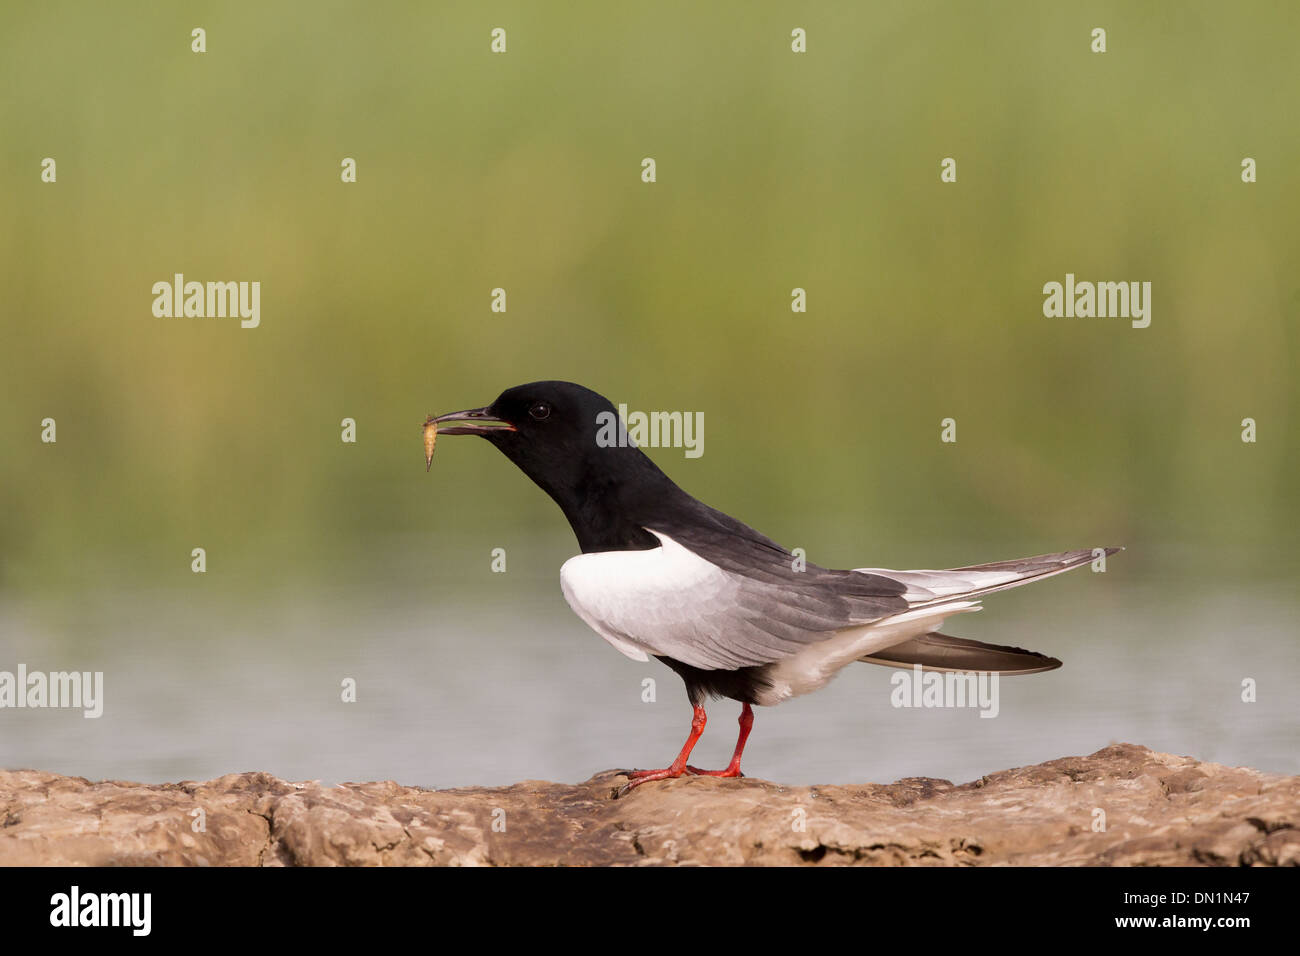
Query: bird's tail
[[937, 589], [940, 652], [927, 588]]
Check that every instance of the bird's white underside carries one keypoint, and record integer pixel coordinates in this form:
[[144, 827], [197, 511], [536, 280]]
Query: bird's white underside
[[653, 602]]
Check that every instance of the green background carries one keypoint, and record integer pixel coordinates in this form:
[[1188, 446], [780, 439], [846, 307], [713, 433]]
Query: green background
[[522, 171]]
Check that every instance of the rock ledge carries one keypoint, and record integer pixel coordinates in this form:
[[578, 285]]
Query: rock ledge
[[1158, 810]]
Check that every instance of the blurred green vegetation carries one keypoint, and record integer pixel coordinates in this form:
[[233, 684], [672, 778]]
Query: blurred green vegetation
[[522, 171]]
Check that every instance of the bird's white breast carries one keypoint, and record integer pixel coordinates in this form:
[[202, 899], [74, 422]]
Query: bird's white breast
[[631, 598]]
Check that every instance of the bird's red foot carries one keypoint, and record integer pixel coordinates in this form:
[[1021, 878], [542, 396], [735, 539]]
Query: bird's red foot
[[729, 772], [637, 777]]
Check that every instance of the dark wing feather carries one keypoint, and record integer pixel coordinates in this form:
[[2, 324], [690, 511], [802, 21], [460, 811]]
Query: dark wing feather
[[794, 606]]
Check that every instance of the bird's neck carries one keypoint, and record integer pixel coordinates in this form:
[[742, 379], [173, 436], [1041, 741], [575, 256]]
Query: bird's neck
[[608, 507]]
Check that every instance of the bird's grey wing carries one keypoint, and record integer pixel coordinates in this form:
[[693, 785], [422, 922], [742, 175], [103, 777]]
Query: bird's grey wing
[[765, 605], [821, 598], [672, 601]]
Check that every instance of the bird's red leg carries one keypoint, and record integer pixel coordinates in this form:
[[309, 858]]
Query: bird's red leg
[[638, 777], [733, 768]]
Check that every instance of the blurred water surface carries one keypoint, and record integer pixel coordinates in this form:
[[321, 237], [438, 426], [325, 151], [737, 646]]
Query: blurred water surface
[[481, 678]]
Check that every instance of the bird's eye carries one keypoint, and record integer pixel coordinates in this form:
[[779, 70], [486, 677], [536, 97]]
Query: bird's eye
[[540, 411]]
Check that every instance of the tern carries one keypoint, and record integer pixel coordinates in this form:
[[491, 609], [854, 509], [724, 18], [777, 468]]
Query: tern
[[734, 614]]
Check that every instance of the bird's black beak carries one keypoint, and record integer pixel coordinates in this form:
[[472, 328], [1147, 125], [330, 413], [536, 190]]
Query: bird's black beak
[[473, 421]]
